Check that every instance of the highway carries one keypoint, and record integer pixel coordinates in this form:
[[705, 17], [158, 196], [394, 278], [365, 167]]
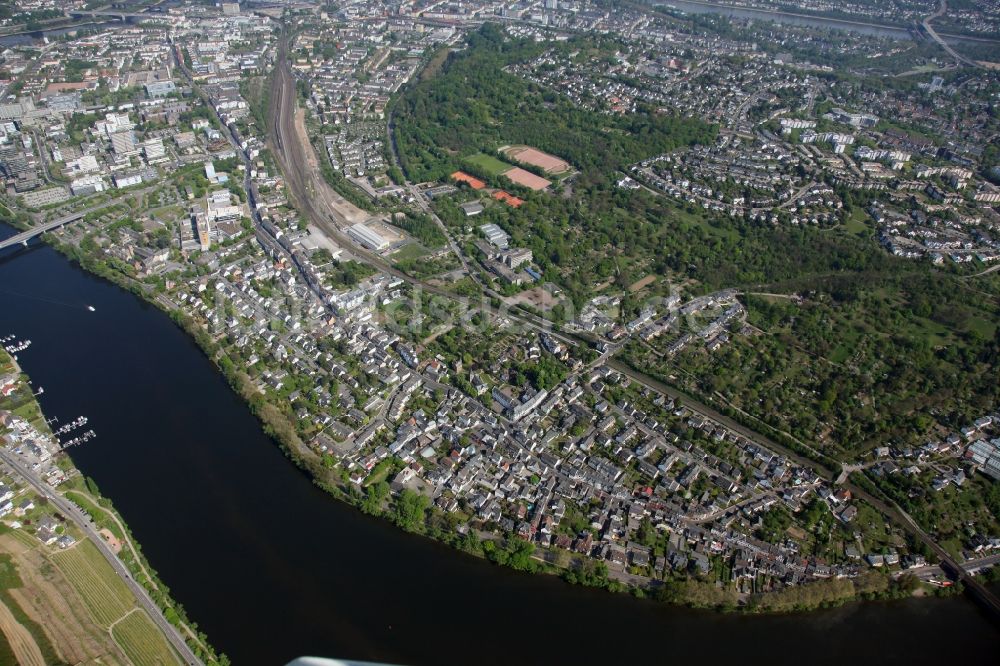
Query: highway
[[926, 23], [71, 512]]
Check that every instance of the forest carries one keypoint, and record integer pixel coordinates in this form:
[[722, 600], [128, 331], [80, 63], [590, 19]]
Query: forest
[[863, 359], [878, 349], [473, 105]]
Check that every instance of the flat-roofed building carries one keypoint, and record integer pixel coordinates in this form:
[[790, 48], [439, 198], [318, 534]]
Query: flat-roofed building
[[156, 89], [220, 206], [153, 149], [126, 179], [367, 237], [518, 257], [123, 143], [495, 235]]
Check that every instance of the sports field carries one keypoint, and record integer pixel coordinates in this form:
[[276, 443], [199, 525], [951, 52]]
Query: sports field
[[488, 163], [471, 181], [527, 179], [528, 155]]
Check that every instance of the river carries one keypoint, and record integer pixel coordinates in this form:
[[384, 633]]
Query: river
[[860, 26], [24, 38], [272, 568]]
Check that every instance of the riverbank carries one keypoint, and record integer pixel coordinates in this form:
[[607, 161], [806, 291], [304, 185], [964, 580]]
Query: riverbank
[[414, 514], [271, 569], [816, 19], [95, 555]]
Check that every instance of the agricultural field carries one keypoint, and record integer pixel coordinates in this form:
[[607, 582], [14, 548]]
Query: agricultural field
[[38, 595], [102, 591], [112, 605], [141, 640]]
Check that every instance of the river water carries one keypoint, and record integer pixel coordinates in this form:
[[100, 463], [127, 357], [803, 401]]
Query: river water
[[860, 27], [271, 568], [25, 38]]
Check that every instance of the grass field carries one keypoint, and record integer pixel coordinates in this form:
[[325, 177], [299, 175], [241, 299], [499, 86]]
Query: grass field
[[167, 213], [105, 595], [855, 224], [982, 326], [99, 515], [489, 164], [408, 252], [142, 641]]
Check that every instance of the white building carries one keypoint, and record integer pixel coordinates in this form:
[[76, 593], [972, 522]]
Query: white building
[[123, 143], [88, 185], [153, 149], [220, 206], [84, 164], [126, 180], [367, 237], [495, 235]]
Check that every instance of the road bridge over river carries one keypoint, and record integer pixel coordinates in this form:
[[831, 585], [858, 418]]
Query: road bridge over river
[[25, 236]]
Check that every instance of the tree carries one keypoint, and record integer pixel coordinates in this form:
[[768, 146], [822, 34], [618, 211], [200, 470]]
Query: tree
[[410, 510], [470, 542], [375, 495]]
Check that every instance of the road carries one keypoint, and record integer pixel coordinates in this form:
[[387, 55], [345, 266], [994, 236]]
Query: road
[[891, 511], [307, 189], [991, 269], [958, 572], [707, 412], [319, 203], [942, 8], [795, 197], [969, 565], [71, 512], [25, 236]]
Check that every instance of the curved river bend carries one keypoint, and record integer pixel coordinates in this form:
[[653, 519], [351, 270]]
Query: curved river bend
[[272, 568]]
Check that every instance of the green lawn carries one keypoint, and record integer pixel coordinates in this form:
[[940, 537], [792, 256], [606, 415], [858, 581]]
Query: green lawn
[[983, 326], [847, 346], [855, 224], [408, 252], [489, 164], [167, 213], [96, 512]]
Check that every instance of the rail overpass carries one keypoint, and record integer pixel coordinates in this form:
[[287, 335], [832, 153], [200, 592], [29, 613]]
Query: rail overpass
[[108, 14], [122, 11], [25, 236]]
